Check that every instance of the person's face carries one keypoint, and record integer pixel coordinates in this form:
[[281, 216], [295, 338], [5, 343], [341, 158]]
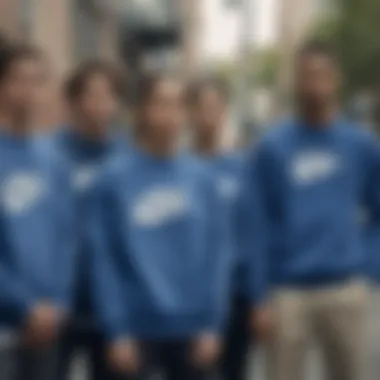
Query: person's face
[[98, 104], [23, 87], [316, 80], [209, 112], [164, 113]]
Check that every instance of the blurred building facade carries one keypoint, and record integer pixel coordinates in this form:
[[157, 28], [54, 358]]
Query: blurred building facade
[[68, 30], [295, 19], [162, 34], [167, 31]]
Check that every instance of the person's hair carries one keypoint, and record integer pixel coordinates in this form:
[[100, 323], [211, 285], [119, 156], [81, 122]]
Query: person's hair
[[146, 85], [11, 54], [317, 48], [77, 82], [197, 89]]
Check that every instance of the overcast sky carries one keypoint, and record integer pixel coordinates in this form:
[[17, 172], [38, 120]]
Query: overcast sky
[[220, 33]]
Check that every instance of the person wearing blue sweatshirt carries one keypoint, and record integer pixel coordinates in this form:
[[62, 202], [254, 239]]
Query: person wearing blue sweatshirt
[[33, 217], [159, 232], [208, 103], [314, 172], [93, 93]]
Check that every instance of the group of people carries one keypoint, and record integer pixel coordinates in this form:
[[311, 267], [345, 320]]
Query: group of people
[[159, 260]]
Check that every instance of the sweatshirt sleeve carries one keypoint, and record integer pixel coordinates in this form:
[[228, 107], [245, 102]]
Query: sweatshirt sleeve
[[253, 234], [14, 290], [65, 243], [60, 230], [218, 261], [372, 164], [262, 211], [105, 237], [372, 206]]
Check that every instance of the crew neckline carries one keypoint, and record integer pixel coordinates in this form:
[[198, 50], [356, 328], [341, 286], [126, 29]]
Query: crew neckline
[[155, 159], [335, 124]]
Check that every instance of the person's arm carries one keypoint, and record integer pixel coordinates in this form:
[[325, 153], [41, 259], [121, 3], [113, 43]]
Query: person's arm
[[110, 299], [14, 291], [371, 206], [260, 209], [65, 237], [58, 275], [372, 165], [218, 266], [256, 202]]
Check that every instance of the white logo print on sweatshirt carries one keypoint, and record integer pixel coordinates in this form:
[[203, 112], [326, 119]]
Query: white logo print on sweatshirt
[[21, 191], [312, 166], [159, 206]]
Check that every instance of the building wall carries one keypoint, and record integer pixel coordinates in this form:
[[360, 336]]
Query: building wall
[[51, 29], [108, 43], [9, 17], [66, 33], [61, 28], [295, 19], [192, 29]]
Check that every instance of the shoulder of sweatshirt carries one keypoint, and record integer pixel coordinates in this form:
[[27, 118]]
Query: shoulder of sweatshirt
[[233, 158], [202, 173], [196, 166], [272, 143], [360, 139], [277, 134], [46, 145], [47, 149], [234, 163], [115, 167]]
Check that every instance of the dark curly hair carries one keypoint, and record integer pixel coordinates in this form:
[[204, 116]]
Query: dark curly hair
[[78, 80]]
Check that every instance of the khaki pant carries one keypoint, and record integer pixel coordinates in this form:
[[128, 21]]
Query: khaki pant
[[335, 317]]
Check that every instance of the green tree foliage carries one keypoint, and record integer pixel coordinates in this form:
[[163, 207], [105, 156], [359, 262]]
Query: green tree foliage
[[354, 30], [262, 69], [265, 65], [226, 71]]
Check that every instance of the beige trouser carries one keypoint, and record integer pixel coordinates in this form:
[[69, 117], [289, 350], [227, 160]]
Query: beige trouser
[[335, 317]]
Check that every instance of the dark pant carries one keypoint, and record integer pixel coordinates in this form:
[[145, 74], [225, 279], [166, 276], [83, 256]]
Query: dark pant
[[172, 360], [8, 364], [87, 339], [36, 364], [237, 341], [21, 363]]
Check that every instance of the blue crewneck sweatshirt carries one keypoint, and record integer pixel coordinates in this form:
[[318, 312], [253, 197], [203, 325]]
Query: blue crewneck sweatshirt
[[30, 226], [83, 159], [371, 233], [158, 253], [311, 183], [229, 171]]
